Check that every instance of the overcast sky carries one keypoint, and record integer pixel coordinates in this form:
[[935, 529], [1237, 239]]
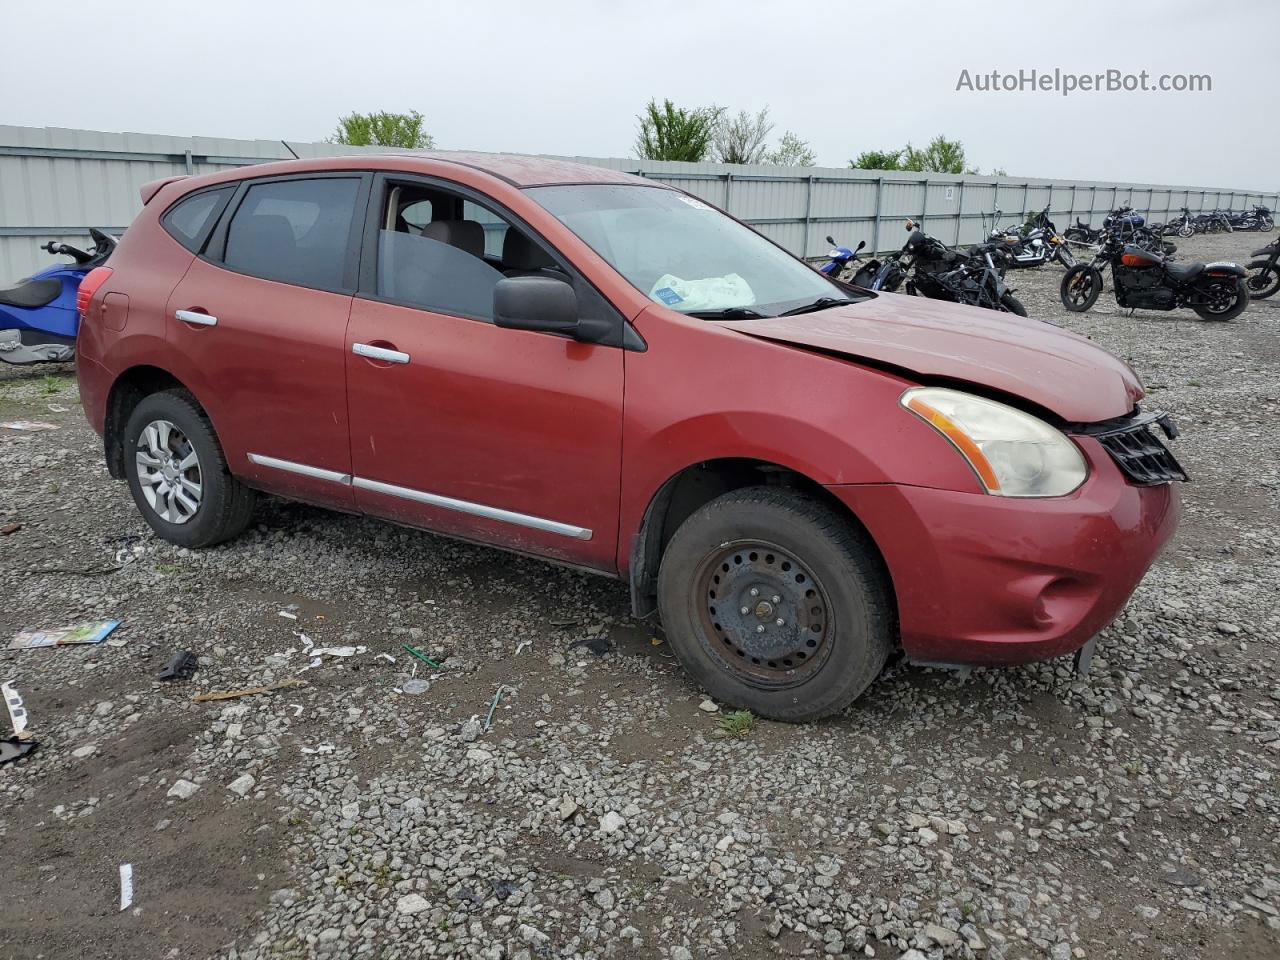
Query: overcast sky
[[569, 77]]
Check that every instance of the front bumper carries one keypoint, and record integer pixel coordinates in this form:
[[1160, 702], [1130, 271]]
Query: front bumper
[[993, 580]]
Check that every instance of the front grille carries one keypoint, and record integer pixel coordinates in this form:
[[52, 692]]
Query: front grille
[[1139, 453]]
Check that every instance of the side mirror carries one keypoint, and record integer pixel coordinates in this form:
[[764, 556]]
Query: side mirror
[[830, 241], [861, 244], [541, 304]]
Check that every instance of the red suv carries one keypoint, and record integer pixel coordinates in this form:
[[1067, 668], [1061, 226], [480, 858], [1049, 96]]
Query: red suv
[[583, 365]]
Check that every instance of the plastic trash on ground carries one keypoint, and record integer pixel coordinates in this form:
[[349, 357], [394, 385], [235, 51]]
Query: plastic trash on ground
[[91, 631]]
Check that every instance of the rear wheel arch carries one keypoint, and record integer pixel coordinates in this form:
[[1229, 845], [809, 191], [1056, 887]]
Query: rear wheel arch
[[127, 391], [698, 484]]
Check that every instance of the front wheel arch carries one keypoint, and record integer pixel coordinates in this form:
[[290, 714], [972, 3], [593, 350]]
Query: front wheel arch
[[693, 487]]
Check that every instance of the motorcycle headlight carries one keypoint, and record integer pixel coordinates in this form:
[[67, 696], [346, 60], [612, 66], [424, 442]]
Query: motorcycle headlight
[[1013, 453]]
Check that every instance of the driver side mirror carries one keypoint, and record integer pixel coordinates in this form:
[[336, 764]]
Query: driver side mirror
[[861, 244], [543, 305]]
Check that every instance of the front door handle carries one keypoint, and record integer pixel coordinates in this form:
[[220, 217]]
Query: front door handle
[[191, 316], [379, 353]]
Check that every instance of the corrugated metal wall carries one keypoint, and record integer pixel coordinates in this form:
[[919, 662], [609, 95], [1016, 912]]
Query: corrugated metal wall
[[55, 184]]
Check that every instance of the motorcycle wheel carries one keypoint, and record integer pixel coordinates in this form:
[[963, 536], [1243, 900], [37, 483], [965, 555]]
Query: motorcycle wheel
[[1234, 306], [1266, 224], [1013, 305], [1080, 287], [1185, 230], [1265, 282]]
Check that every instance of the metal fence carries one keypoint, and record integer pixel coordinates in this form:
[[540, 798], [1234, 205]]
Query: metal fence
[[55, 184]]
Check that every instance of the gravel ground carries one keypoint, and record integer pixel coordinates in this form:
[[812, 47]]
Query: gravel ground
[[1012, 813]]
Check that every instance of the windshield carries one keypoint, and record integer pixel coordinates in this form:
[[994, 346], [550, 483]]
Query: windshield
[[684, 254]]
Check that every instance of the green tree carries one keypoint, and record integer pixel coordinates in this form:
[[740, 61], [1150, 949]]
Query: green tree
[[668, 132], [878, 160], [383, 129], [791, 151], [742, 138], [940, 156]]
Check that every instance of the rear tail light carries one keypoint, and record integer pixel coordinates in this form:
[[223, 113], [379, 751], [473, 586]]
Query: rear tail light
[[94, 279]]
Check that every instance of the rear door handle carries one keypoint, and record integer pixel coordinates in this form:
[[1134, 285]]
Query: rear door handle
[[191, 316], [379, 353]]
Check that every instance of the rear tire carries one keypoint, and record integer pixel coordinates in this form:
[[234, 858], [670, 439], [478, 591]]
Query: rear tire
[[1265, 282], [178, 474], [819, 625], [1239, 304], [1080, 287]]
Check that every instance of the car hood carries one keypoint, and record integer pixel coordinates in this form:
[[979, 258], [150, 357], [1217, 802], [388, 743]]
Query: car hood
[[1044, 364]]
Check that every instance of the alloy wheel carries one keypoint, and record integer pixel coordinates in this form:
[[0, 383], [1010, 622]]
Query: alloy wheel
[[767, 617], [168, 471]]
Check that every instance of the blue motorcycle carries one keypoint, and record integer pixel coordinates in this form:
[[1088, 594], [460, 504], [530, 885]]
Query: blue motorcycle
[[872, 275], [38, 317], [840, 260]]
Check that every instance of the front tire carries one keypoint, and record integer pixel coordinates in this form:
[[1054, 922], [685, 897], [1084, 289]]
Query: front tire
[[1233, 306], [1080, 287], [819, 620], [1013, 305], [1185, 230], [1265, 282], [178, 474]]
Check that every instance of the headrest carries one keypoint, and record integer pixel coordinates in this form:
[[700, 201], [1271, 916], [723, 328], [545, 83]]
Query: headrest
[[521, 253], [466, 235]]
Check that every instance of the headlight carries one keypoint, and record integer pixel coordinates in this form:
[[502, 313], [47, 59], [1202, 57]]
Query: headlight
[[1013, 453]]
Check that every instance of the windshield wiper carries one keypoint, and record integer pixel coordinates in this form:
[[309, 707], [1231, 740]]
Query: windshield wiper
[[728, 313], [820, 304]]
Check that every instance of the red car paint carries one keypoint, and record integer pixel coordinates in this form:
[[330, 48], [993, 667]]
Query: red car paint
[[589, 435]]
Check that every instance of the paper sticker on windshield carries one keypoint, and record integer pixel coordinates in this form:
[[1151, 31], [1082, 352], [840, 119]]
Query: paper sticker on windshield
[[693, 202], [668, 296]]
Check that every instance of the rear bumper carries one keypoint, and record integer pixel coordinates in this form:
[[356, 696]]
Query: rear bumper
[[95, 385], [990, 580]]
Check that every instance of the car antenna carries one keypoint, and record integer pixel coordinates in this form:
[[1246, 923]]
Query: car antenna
[[291, 150]]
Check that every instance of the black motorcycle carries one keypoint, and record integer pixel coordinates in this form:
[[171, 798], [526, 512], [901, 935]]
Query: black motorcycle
[[1145, 279], [931, 269], [1264, 275], [1082, 233]]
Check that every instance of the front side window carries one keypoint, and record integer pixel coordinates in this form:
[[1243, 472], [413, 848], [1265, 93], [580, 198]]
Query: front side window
[[682, 253], [442, 252], [294, 231], [187, 219]]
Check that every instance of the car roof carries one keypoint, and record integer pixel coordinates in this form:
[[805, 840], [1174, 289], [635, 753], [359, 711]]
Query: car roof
[[529, 171], [516, 170]]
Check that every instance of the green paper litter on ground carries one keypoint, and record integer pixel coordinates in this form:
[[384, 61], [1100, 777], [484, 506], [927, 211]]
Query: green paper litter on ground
[[91, 631]]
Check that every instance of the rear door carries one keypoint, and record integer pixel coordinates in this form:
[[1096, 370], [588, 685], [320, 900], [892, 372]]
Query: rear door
[[260, 319], [505, 436]]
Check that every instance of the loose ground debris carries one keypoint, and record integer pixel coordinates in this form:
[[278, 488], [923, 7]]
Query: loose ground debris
[[1021, 813]]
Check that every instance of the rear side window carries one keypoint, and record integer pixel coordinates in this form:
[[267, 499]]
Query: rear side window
[[189, 220], [294, 231]]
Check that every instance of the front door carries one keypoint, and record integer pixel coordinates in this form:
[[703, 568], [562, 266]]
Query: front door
[[505, 436]]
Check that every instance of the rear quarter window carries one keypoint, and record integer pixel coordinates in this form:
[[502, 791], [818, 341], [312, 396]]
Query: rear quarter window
[[190, 220]]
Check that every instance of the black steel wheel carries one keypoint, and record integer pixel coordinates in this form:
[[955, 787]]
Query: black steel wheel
[[776, 603], [770, 614]]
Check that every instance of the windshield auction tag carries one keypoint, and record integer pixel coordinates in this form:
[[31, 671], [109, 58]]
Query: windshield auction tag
[[668, 296], [693, 202]]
